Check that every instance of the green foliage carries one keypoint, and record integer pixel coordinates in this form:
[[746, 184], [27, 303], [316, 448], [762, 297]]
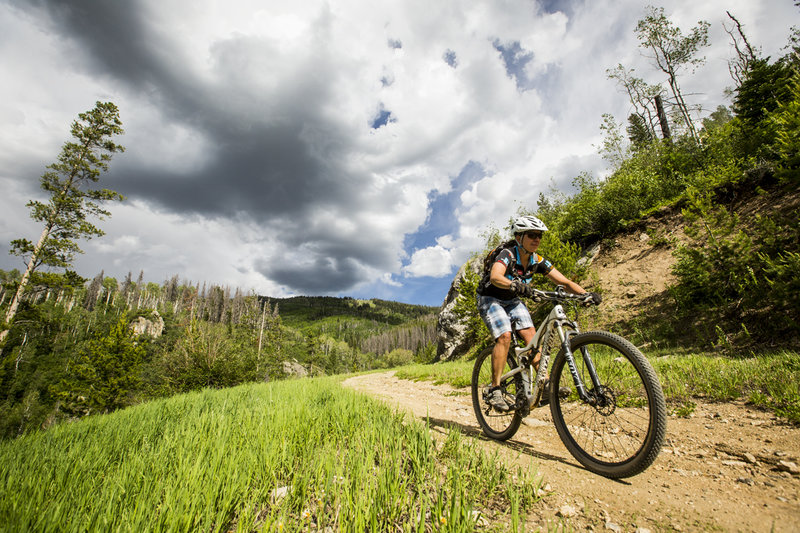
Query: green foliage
[[398, 357], [210, 339], [302, 310], [207, 356], [613, 149], [66, 215], [645, 180], [672, 52], [786, 123], [105, 374], [671, 48], [685, 409], [767, 87], [639, 133], [72, 204]]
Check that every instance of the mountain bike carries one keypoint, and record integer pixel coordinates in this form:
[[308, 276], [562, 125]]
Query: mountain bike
[[604, 396]]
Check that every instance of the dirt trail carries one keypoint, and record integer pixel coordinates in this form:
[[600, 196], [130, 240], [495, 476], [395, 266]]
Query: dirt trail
[[720, 469]]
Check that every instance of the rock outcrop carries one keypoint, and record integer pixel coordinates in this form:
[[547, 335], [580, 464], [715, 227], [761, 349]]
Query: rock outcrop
[[294, 369], [450, 328], [154, 326]]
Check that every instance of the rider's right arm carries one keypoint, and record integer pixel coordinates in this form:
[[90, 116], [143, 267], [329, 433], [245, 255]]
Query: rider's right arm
[[498, 276]]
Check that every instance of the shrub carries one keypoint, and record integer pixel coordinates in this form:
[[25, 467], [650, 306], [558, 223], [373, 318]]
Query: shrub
[[746, 276], [105, 374]]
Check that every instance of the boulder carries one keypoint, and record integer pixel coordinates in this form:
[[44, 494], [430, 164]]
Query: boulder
[[294, 369], [590, 255], [154, 326], [451, 329]]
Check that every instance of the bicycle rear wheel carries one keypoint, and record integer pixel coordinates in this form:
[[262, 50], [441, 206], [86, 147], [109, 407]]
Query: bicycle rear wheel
[[620, 431], [495, 424]]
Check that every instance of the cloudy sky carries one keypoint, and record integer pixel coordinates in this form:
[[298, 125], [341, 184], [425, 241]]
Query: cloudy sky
[[340, 147]]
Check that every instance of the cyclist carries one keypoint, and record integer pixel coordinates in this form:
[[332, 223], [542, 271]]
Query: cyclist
[[499, 291]]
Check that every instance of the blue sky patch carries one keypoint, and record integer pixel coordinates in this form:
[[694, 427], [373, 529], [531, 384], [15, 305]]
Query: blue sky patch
[[515, 58], [441, 208], [383, 117], [450, 58]]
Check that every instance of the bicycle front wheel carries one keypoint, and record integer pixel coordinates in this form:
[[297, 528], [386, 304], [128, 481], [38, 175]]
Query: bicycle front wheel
[[495, 424], [620, 430]]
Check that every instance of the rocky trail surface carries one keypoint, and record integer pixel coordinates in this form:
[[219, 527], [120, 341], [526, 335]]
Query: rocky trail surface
[[727, 467]]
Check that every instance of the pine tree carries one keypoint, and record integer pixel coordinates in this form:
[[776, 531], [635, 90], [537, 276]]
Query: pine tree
[[106, 373], [66, 214]]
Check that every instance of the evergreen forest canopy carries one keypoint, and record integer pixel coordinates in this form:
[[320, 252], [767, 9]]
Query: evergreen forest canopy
[[75, 348]]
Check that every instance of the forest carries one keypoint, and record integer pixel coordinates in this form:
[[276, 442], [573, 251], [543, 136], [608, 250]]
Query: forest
[[76, 347]]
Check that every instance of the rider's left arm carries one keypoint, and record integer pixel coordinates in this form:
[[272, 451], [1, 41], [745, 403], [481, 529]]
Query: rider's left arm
[[560, 279]]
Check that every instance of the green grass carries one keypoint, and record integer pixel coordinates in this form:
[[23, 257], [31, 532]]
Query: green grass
[[770, 381], [210, 461], [455, 373]]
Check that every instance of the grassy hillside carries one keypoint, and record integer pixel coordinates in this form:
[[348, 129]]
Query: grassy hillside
[[347, 319], [286, 456], [71, 352], [327, 332]]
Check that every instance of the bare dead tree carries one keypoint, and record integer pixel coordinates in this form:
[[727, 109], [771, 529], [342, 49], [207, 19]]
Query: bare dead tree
[[745, 54]]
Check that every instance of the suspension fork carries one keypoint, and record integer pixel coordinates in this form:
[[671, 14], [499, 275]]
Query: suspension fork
[[573, 368]]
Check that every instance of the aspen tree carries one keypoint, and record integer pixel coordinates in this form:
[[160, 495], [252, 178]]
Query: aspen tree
[[672, 52]]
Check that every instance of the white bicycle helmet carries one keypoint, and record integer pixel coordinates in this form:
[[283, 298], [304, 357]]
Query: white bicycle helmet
[[527, 223]]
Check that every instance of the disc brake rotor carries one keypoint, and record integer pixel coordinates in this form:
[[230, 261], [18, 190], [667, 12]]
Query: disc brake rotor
[[605, 401]]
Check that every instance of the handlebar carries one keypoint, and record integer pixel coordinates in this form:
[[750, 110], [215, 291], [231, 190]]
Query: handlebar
[[560, 295]]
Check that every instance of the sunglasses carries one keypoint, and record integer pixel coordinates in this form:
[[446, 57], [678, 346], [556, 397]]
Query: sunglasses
[[534, 234]]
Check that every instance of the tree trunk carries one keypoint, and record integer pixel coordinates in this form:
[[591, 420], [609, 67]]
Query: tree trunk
[[684, 108], [12, 308], [261, 330], [662, 117]]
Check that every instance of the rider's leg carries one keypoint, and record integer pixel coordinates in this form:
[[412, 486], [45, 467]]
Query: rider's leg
[[499, 356]]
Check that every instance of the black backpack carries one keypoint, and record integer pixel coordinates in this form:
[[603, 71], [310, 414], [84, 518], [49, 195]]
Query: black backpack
[[490, 258]]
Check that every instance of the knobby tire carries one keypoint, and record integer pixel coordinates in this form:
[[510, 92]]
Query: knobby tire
[[623, 433], [495, 425]]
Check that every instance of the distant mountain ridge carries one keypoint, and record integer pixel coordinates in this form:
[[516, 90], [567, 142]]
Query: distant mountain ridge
[[298, 311]]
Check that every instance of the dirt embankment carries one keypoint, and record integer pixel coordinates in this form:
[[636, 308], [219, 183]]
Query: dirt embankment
[[634, 268], [727, 467]]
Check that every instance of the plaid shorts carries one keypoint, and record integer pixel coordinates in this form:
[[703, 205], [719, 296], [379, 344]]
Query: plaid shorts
[[498, 314]]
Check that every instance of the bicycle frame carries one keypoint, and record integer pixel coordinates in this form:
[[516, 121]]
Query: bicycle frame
[[534, 385]]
